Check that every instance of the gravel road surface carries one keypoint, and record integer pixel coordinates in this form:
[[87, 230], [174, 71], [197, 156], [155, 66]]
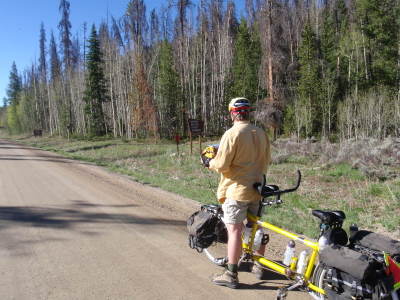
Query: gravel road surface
[[71, 230]]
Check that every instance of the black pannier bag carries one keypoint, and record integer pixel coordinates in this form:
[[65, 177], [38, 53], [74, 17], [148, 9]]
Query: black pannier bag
[[353, 275], [206, 227], [376, 241], [354, 263], [340, 285]]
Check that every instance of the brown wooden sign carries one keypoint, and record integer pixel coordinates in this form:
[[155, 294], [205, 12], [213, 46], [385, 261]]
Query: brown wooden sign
[[37, 132], [196, 127]]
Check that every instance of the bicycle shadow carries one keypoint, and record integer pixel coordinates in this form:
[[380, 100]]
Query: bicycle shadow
[[270, 284], [269, 281], [258, 286]]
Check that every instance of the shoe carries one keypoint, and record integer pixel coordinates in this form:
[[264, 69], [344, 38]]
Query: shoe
[[228, 279], [258, 271]]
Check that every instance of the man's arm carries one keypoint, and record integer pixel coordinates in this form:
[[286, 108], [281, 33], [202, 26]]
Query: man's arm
[[226, 152]]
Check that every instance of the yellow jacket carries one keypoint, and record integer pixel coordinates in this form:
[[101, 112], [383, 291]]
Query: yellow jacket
[[242, 158]]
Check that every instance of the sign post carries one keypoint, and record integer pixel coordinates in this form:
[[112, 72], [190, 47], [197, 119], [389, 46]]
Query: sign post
[[195, 129]]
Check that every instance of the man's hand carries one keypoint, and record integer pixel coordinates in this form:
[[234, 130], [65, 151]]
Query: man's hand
[[205, 161], [208, 154]]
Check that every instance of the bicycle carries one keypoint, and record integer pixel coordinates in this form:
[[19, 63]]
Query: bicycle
[[313, 276]]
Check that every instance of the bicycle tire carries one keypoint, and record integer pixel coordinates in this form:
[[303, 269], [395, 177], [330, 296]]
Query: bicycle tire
[[318, 280], [319, 277], [216, 253]]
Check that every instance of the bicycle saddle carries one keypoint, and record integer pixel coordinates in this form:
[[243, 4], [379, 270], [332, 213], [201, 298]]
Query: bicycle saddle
[[329, 217]]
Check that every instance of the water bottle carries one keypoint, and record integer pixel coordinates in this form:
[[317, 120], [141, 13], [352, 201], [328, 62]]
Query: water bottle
[[246, 234], [322, 242], [258, 238], [289, 253], [302, 262], [293, 264]]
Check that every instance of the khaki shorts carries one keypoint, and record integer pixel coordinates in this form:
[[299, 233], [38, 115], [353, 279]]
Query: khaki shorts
[[235, 212]]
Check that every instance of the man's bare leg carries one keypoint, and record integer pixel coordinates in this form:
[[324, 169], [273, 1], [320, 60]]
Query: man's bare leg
[[234, 242], [230, 277]]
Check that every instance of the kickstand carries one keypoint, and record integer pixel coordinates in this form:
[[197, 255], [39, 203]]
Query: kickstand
[[282, 292]]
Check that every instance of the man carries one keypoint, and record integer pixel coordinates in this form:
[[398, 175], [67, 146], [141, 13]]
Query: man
[[242, 159]]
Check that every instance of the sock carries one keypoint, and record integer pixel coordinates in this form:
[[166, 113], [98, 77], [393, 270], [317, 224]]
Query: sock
[[233, 268]]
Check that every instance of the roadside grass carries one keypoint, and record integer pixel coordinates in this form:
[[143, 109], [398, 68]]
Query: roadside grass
[[346, 170], [373, 205]]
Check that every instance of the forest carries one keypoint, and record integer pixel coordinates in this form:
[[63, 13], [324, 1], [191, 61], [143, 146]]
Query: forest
[[328, 69]]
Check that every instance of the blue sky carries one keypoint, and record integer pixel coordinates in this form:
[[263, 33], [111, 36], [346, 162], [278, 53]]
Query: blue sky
[[20, 24]]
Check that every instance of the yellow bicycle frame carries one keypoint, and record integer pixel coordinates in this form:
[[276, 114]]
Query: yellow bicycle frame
[[277, 267]]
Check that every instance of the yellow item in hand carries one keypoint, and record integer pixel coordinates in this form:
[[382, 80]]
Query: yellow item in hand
[[210, 151]]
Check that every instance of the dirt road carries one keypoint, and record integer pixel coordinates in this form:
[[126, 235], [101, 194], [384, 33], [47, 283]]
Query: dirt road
[[70, 230]]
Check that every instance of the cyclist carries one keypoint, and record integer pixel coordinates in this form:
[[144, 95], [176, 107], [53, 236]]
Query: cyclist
[[242, 159]]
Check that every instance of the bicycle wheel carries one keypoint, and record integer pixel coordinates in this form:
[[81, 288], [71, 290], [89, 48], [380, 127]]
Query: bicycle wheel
[[216, 253], [318, 279]]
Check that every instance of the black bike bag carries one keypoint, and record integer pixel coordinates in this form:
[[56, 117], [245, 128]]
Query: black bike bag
[[340, 285], [206, 227], [354, 263], [376, 241]]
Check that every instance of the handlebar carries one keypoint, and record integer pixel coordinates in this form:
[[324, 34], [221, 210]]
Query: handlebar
[[273, 190]]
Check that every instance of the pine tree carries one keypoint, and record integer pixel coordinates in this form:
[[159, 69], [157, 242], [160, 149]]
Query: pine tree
[[42, 56], [145, 120], [13, 93], [333, 79], [168, 91], [42, 98], [14, 86], [55, 64], [379, 22], [65, 33], [309, 84], [154, 28], [96, 91], [57, 110], [67, 115], [136, 21], [246, 63]]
